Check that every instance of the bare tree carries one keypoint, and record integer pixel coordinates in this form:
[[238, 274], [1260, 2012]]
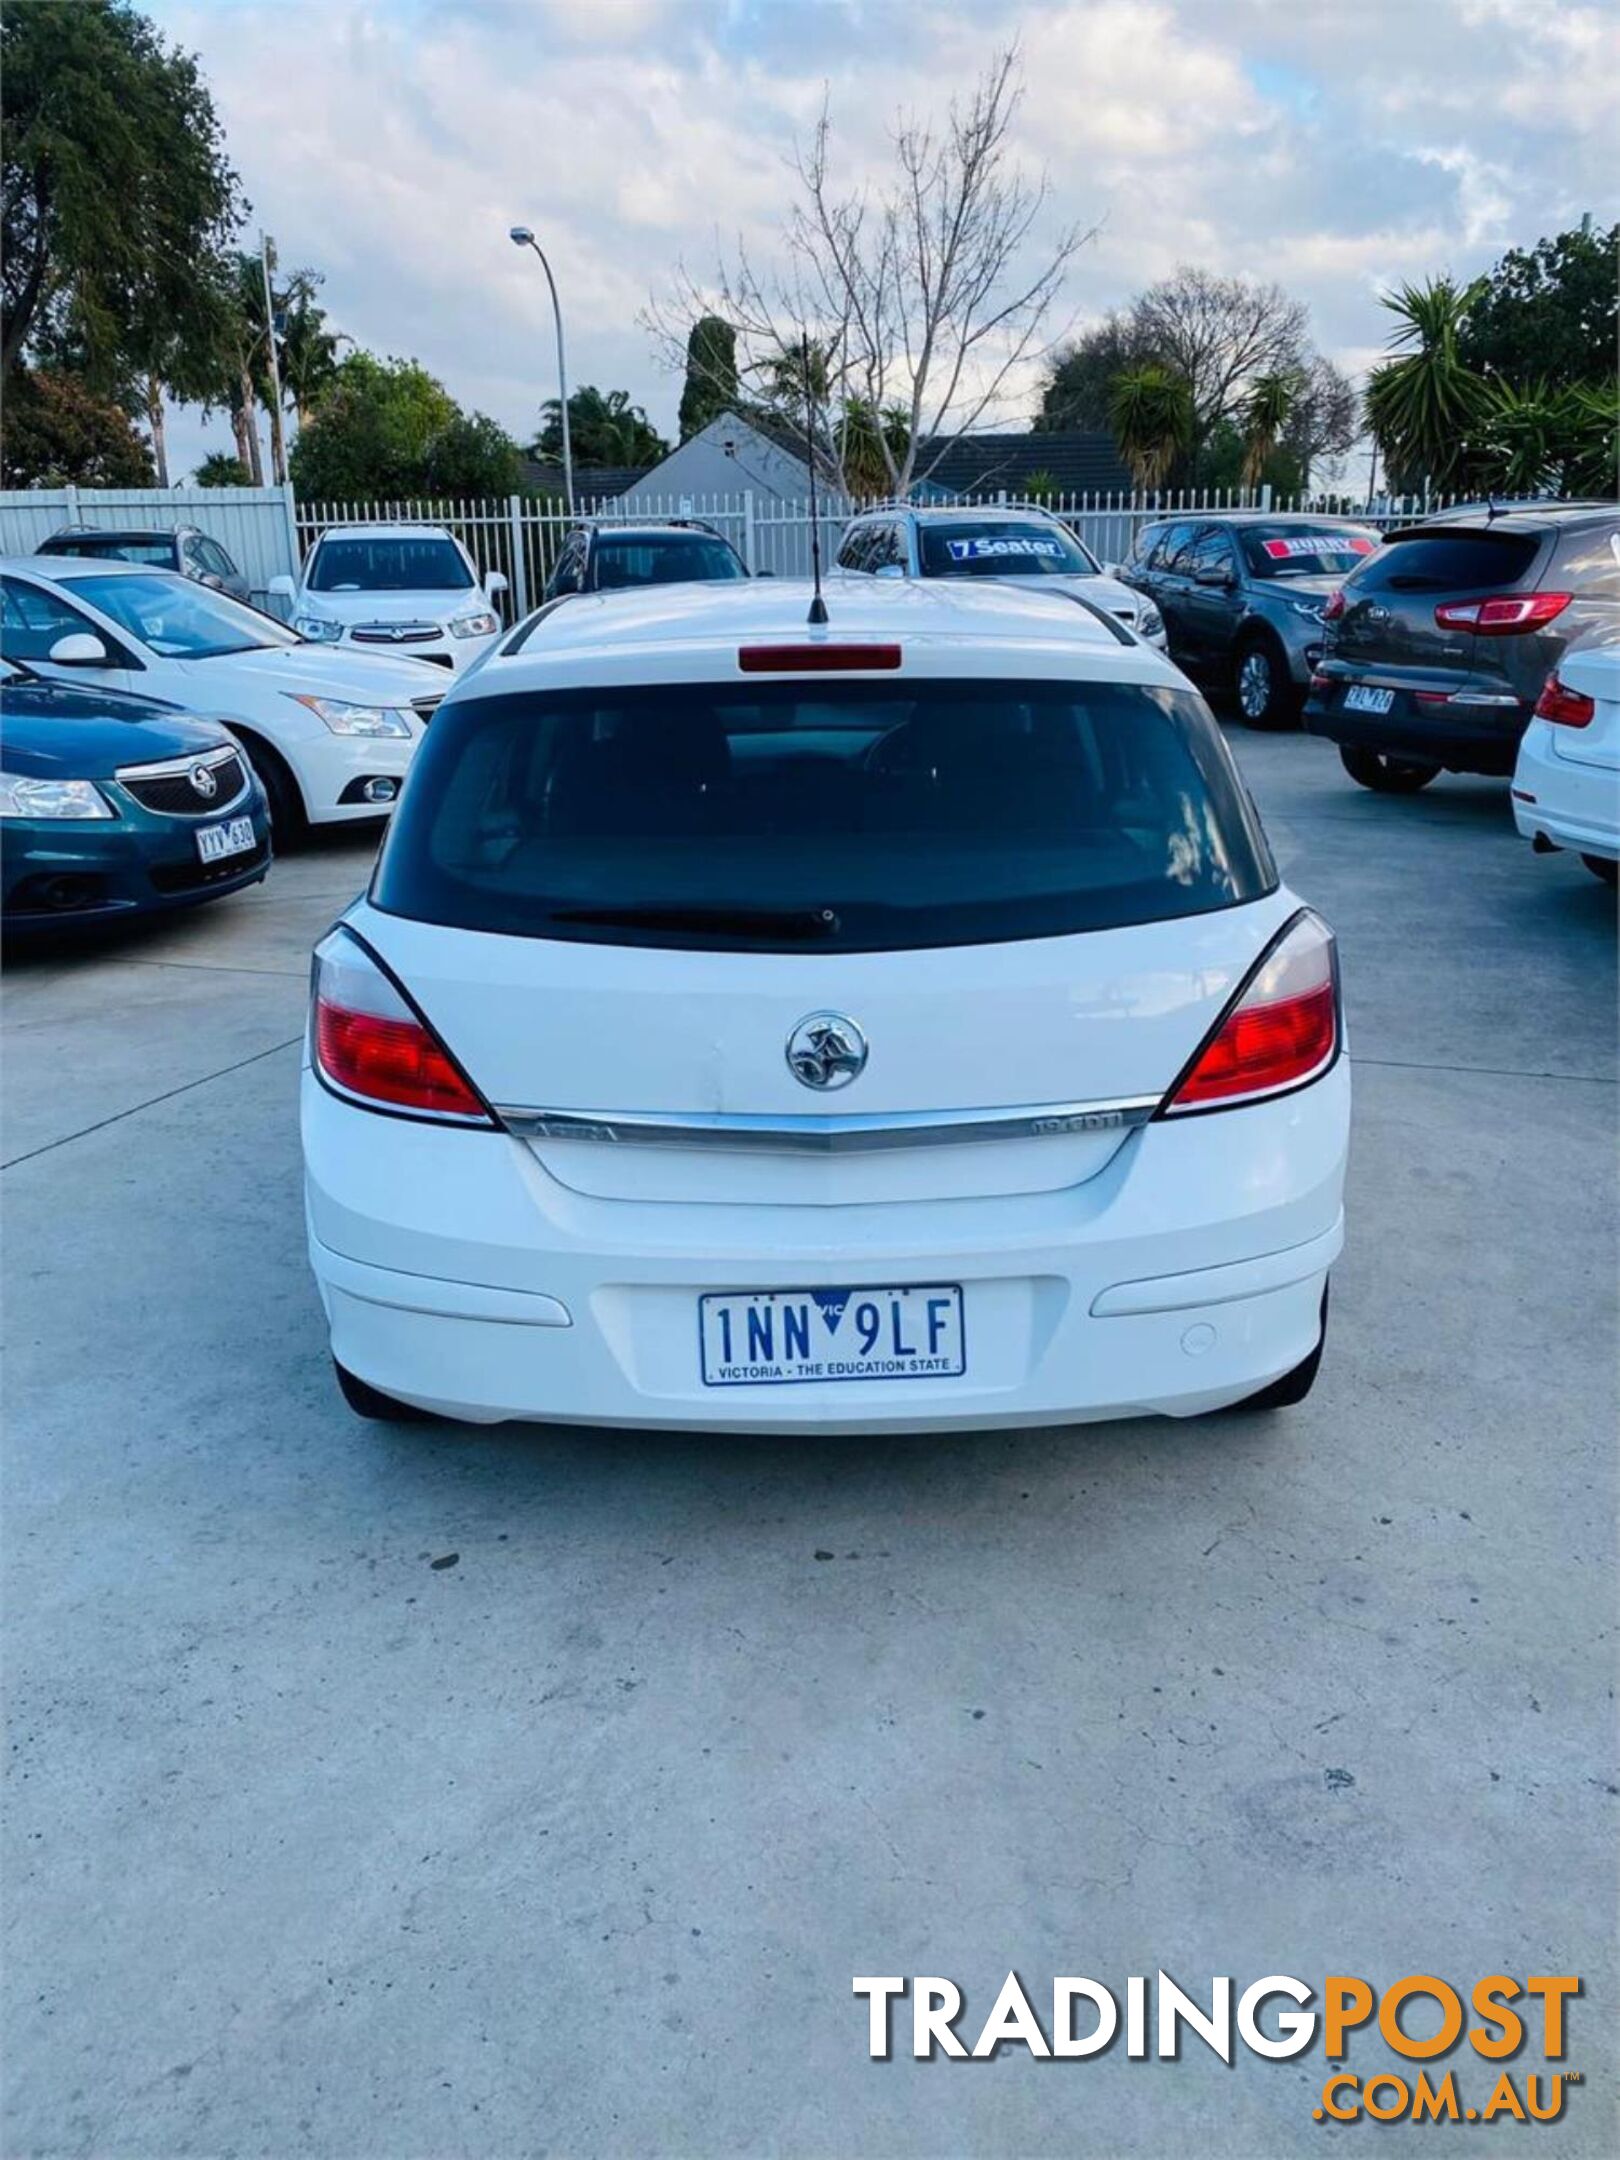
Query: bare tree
[[925, 299], [1221, 335], [1326, 419]]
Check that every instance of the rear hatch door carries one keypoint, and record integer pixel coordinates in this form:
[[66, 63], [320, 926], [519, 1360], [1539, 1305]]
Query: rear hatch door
[[1405, 626]]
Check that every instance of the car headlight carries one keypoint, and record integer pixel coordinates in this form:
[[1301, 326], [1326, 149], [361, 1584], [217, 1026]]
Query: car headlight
[[1310, 609], [345, 719], [319, 629], [1149, 622], [22, 797], [481, 624]]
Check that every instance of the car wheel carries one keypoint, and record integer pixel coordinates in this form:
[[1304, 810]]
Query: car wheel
[[369, 1402], [1384, 774], [1601, 867], [289, 824], [1292, 1387], [1266, 694]]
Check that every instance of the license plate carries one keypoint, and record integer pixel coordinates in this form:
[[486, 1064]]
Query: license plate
[[1362, 697], [774, 1338], [215, 842]]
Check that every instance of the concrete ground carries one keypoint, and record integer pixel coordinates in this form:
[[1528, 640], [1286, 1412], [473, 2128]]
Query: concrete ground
[[404, 1791]]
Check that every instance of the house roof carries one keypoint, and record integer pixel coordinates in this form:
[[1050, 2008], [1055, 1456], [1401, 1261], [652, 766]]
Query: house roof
[[591, 482], [1075, 461]]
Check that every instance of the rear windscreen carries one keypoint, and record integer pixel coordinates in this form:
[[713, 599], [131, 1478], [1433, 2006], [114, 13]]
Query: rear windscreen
[[684, 558], [857, 816], [1448, 562]]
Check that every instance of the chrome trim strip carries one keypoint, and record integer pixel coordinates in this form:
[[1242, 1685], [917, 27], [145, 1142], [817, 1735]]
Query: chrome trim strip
[[826, 1135], [177, 768]]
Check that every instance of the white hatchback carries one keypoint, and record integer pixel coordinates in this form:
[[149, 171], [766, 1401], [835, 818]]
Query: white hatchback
[[1566, 784], [406, 589], [892, 1024]]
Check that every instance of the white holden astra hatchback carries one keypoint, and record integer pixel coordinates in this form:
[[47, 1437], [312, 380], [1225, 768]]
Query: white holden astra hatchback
[[887, 1023]]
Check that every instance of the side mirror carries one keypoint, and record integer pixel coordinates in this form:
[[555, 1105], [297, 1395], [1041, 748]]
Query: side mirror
[[211, 579], [1216, 574], [495, 583], [1113, 569], [764, 573], [281, 586], [890, 569], [80, 648]]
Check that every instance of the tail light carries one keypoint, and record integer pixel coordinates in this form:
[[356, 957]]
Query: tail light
[[1504, 616], [1565, 707], [1336, 605], [371, 1045], [1280, 1031]]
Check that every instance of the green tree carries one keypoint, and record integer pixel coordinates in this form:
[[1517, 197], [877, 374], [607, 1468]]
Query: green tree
[[1081, 377], [1424, 403], [60, 432], [1549, 314], [307, 349], [471, 455], [116, 189], [369, 432], [711, 374], [220, 469], [604, 428], [1151, 412], [1272, 399]]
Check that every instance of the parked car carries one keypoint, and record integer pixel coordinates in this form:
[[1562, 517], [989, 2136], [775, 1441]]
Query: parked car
[[181, 548], [1015, 546], [1242, 596], [1566, 782], [395, 589], [329, 734], [896, 1025], [113, 807], [1439, 644], [607, 555]]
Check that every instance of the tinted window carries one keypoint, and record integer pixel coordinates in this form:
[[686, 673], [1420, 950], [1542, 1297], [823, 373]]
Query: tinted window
[[855, 549], [215, 558], [1001, 548], [178, 619], [857, 816], [1447, 562], [157, 554], [366, 565], [662, 559], [1589, 561], [1144, 545], [1290, 550], [1211, 550], [1172, 553], [33, 618]]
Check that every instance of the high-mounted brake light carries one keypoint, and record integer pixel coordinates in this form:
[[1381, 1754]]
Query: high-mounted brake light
[[1565, 707], [814, 659], [370, 1045], [1503, 616], [1280, 1031]]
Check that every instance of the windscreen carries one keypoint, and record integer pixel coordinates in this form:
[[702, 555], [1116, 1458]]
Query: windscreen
[[1451, 562], [177, 618], [1001, 548], [367, 565], [156, 554], [856, 816], [1286, 550], [673, 559]]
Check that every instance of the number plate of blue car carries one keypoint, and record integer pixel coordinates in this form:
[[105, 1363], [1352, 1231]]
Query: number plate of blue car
[[764, 1338]]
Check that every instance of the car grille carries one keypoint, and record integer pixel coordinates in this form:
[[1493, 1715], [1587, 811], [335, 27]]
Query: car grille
[[395, 633], [168, 788], [192, 877]]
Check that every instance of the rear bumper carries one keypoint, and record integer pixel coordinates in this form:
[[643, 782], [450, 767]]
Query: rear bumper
[[1478, 739], [1569, 804], [457, 1275]]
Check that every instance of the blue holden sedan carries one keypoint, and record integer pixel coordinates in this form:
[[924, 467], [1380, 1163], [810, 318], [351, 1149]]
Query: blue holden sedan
[[113, 807]]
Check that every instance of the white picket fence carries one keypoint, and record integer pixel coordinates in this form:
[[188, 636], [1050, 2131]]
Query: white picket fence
[[267, 531]]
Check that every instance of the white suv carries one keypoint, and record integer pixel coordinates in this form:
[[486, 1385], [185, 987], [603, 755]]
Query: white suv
[[410, 589], [1015, 546], [892, 1024]]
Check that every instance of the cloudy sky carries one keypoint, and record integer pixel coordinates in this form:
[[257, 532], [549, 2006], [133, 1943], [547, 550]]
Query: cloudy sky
[[1335, 145]]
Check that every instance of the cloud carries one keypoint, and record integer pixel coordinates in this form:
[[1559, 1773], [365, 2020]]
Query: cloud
[[390, 143]]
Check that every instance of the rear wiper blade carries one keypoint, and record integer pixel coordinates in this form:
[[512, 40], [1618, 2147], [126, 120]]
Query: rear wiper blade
[[740, 921]]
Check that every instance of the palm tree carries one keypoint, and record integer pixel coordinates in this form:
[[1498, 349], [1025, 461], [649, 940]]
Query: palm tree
[[306, 350], [1424, 405], [1151, 410], [1272, 399]]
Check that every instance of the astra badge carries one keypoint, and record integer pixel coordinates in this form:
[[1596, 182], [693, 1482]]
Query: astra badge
[[826, 1050]]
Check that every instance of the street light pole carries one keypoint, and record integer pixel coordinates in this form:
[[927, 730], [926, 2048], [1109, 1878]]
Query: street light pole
[[523, 236]]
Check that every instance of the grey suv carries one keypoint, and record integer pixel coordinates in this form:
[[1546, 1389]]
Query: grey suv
[[607, 556], [1440, 644], [1243, 596], [179, 547]]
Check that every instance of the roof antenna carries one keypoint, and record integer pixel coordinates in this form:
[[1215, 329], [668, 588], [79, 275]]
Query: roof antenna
[[818, 606]]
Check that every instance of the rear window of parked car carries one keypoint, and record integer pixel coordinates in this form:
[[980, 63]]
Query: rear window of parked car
[[1448, 562], [856, 817], [682, 558], [157, 554]]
